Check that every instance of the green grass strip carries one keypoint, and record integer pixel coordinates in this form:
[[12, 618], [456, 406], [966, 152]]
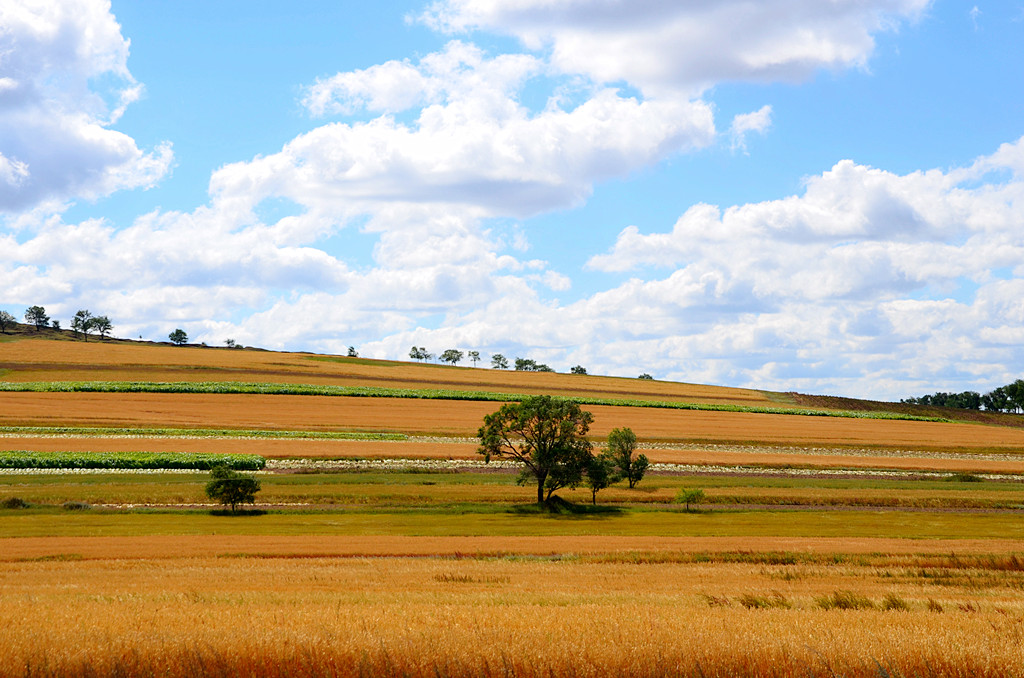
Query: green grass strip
[[102, 432], [129, 460], [229, 387]]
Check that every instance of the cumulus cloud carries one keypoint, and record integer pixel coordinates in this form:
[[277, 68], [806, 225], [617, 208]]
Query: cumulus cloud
[[473, 145], [55, 139], [685, 46], [887, 278]]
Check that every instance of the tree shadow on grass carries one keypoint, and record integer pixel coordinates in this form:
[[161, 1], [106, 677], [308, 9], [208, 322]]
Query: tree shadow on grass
[[556, 506], [240, 513]]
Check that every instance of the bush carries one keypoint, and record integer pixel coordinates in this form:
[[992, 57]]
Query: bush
[[964, 478], [14, 503], [76, 506], [688, 497], [844, 600]]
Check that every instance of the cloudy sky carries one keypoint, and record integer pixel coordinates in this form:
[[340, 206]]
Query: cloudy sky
[[825, 197]]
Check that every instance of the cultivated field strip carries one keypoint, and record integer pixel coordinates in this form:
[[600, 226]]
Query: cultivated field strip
[[465, 449], [462, 418]]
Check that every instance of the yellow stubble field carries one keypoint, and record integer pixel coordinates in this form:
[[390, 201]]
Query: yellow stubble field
[[387, 616]]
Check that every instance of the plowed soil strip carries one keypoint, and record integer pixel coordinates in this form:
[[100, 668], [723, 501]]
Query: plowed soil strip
[[162, 547], [463, 418]]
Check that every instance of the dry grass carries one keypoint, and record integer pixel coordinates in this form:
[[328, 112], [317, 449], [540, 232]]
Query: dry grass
[[429, 617]]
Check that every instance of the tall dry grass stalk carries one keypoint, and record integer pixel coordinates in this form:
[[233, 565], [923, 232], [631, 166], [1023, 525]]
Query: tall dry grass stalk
[[462, 617]]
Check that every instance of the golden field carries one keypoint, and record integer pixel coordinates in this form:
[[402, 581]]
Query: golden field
[[528, 617], [398, 572]]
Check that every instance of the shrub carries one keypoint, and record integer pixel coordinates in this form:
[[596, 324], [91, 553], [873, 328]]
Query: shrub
[[844, 600], [687, 497], [76, 506], [14, 503], [963, 478], [772, 600], [894, 602]]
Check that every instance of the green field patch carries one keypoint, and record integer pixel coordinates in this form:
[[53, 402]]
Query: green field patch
[[845, 524], [221, 387], [22, 459]]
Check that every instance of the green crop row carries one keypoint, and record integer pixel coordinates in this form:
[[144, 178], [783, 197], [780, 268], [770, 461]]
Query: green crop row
[[129, 460], [100, 432], [222, 387]]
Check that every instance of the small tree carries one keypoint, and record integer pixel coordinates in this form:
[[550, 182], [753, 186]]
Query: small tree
[[6, 320], [178, 336], [547, 435], [81, 323], [499, 362], [230, 343], [231, 487], [600, 474], [55, 325], [474, 357], [645, 376], [688, 497], [417, 353], [452, 356], [578, 369], [352, 352], [621, 446], [102, 325], [36, 315]]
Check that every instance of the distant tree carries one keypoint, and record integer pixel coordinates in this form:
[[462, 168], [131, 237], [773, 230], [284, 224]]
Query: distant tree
[[621, 446], [36, 315], [6, 320], [81, 323], [102, 325], [547, 435], [231, 487], [578, 369], [427, 356], [525, 365], [499, 362], [600, 474], [352, 352], [452, 356], [687, 497], [645, 376], [55, 325], [178, 336], [418, 353], [230, 343], [474, 356]]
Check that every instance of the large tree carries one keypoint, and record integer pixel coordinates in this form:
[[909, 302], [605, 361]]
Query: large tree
[[36, 315], [178, 336], [231, 487], [547, 435]]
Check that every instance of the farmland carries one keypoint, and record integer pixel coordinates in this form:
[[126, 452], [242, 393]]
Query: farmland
[[380, 543]]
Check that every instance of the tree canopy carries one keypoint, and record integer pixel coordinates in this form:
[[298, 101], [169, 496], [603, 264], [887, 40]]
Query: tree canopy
[[36, 315], [547, 435], [499, 362], [6, 320], [231, 487], [452, 356], [621, 446], [178, 336]]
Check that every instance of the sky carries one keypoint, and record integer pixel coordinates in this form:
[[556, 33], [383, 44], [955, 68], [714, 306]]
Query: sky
[[793, 195]]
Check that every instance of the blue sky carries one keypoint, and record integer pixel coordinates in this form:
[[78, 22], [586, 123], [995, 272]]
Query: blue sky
[[789, 194]]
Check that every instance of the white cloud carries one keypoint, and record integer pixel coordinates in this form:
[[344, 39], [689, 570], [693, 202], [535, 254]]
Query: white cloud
[[473, 146], [55, 140], [758, 121], [685, 46]]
